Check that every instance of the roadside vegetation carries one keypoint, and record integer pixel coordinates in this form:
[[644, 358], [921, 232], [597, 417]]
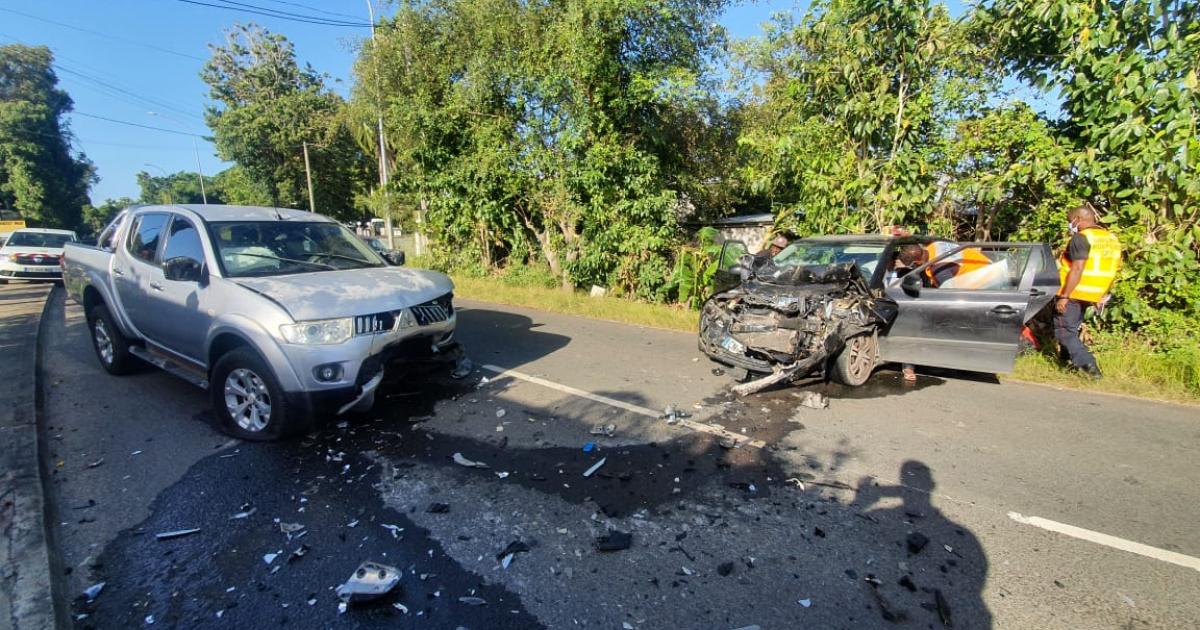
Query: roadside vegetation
[[572, 144]]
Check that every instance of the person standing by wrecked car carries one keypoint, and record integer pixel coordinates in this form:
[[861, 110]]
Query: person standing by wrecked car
[[772, 250], [1087, 268]]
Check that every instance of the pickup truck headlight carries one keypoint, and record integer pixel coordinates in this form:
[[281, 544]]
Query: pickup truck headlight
[[321, 332]]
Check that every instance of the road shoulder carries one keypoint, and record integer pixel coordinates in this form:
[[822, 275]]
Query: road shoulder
[[26, 600]]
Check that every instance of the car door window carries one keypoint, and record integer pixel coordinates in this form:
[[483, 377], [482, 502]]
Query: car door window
[[183, 241], [146, 235], [731, 253], [983, 267]]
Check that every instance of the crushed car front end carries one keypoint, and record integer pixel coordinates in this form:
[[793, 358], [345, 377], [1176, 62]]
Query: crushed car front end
[[790, 323]]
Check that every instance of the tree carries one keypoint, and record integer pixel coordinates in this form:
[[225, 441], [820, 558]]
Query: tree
[[40, 176], [551, 131], [1127, 73], [181, 187], [848, 124], [267, 107], [96, 217]]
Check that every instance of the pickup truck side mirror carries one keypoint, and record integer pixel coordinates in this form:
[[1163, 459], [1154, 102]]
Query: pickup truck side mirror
[[183, 269], [911, 284], [395, 257]]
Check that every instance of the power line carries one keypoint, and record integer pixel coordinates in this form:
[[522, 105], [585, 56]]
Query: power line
[[133, 97], [133, 124], [312, 8], [283, 15], [104, 35]]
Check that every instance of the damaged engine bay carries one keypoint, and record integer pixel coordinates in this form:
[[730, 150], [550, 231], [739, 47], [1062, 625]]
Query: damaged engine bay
[[787, 322]]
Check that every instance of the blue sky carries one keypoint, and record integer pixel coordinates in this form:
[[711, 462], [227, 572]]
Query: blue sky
[[139, 61]]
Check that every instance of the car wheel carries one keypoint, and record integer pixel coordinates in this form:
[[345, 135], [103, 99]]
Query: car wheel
[[112, 348], [247, 399], [857, 360]]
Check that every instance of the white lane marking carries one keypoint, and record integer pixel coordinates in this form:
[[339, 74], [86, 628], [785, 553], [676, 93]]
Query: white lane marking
[[620, 404], [1108, 541]]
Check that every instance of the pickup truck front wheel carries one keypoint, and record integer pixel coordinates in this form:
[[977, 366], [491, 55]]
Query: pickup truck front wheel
[[247, 399], [857, 360], [112, 348]]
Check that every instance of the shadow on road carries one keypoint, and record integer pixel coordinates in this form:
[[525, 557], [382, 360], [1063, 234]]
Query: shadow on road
[[520, 340]]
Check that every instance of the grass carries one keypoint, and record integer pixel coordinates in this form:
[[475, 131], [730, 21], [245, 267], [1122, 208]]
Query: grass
[[1130, 367], [577, 303]]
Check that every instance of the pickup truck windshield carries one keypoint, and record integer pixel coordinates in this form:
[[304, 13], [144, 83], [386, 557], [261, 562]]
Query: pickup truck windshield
[[271, 248], [38, 239]]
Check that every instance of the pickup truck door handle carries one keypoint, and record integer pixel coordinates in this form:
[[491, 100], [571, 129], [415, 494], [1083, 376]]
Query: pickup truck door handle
[[1004, 311], [118, 272], [158, 287]]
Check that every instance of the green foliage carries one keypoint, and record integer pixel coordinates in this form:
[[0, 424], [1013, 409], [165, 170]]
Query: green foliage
[[1127, 74], [96, 217], [267, 107], [567, 132], [695, 266], [40, 176]]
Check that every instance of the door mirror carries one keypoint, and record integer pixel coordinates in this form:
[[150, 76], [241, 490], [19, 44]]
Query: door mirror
[[911, 284], [394, 257], [183, 269]]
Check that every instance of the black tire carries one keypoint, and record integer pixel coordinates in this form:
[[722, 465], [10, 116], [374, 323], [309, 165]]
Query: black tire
[[112, 348], [857, 360], [242, 379], [3, 280]]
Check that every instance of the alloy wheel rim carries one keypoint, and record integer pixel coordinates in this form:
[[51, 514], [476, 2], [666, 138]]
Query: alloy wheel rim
[[860, 356], [103, 341], [247, 400]]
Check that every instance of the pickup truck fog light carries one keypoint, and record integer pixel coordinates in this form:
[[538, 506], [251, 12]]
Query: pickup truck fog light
[[328, 372], [318, 332]]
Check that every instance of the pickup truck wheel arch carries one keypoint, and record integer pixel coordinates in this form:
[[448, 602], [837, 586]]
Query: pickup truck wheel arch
[[111, 346]]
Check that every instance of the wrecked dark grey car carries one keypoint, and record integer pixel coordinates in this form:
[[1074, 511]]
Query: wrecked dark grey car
[[837, 305]]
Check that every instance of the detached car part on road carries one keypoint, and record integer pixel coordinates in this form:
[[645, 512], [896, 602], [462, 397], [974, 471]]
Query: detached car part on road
[[285, 316], [837, 305]]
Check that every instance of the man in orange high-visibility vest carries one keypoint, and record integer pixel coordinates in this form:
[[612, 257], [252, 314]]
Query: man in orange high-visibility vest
[[1087, 269]]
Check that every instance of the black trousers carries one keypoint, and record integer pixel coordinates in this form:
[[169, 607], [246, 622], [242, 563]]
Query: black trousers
[[1066, 331]]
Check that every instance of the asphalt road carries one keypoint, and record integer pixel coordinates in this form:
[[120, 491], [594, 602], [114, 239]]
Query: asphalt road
[[812, 530]]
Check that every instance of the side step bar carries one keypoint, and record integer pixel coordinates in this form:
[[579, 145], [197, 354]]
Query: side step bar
[[193, 376]]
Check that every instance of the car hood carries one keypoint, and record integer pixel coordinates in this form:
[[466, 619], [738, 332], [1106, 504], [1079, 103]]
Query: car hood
[[350, 292], [20, 249]]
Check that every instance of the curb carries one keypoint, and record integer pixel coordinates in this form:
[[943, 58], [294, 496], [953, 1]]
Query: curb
[[26, 596]]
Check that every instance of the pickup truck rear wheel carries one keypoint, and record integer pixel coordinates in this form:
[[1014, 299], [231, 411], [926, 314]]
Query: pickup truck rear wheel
[[857, 360], [112, 348], [247, 398]]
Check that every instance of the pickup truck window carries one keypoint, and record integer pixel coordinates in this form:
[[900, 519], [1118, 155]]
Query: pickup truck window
[[146, 235], [269, 248], [184, 241]]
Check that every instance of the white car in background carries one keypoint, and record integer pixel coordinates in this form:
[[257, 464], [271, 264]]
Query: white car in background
[[34, 254]]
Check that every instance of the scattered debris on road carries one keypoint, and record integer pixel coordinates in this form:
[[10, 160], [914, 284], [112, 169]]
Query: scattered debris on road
[[93, 591], [179, 533], [515, 547], [673, 414], [614, 540], [96, 463], [473, 601], [244, 514], [270, 557], [807, 603], [916, 542], [607, 430], [370, 580], [438, 508], [595, 467], [463, 461], [814, 400]]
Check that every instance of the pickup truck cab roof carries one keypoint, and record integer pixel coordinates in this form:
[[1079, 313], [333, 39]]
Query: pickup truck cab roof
[[215, 212]]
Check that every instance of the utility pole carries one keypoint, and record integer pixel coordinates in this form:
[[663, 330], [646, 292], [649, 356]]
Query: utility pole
[[308, 176], [199, 171], [383, 168]]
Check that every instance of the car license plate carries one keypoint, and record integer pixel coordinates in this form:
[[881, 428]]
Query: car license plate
[[733, 345], [39, 269]]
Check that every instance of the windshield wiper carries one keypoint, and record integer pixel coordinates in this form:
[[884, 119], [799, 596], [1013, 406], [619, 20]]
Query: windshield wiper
[[351, 258], [289, 260]]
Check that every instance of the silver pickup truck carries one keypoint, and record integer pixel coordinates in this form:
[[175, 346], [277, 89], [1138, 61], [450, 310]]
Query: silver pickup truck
[[284, 316]]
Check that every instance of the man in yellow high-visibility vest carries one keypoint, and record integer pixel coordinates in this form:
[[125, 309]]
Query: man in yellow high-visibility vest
[[1087, 268]]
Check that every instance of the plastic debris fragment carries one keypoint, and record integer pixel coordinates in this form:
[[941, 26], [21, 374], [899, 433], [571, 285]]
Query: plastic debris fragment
[[814, 400], [179, 533], [807, 603], [463, 461], [614, 540], [473, 601], [94, 590], [370, 580], [607, 430], [595, 467]]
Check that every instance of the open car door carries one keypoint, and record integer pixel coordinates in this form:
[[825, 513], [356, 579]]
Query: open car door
[[972, 321], [728, 274]]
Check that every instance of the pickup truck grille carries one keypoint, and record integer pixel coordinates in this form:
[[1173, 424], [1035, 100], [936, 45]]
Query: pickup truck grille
[[431, 312], [434, 311]]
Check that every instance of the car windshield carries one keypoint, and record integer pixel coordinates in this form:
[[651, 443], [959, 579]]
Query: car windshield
[[38, 239], [808, 253], [270, 248]]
